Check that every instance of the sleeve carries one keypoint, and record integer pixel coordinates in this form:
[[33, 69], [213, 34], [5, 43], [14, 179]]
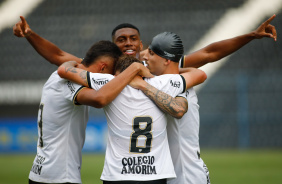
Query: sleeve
[[72, 90], [184, 95], [181, 62], [97, 80], [172, 84]]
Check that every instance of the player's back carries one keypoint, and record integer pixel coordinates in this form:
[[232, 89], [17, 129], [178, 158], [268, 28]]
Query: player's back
[[61, 131], [137, 147]]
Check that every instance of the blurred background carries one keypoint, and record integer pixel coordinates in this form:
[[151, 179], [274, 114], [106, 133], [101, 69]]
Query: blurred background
[[240, 103]]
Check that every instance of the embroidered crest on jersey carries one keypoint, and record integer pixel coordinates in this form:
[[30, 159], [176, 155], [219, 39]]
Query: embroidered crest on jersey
[[100, 81]]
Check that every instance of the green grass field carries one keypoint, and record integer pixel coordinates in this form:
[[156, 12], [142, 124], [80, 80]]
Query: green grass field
[[225, 166]]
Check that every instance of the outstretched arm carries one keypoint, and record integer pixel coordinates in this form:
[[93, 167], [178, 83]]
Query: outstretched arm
[[45, 48], [109, 91], [219, 50]]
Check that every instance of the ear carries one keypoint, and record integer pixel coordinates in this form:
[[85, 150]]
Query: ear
[[167, 62], [102, 67]]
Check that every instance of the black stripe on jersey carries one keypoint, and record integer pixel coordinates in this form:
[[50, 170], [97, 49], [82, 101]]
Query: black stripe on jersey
[[181, 62], [199, 155], [75, 95], [88, 79], [184, 84], [180, 97]]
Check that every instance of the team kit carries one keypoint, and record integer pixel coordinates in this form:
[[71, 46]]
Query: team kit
[[148, 99]]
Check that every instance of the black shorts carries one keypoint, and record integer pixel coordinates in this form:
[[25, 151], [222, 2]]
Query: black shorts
[[33, 182], [162, 181]]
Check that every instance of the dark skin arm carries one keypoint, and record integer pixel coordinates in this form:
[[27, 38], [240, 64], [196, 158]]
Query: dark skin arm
[[109, 91], [45, 48], [221, 49]]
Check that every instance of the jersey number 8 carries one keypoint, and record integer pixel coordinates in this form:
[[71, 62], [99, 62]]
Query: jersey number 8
[[142, 127]]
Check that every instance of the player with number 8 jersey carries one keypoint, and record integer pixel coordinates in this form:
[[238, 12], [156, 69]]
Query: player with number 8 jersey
[[137, 146]]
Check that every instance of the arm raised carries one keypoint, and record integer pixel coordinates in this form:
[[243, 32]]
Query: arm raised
[[45, 48], [221, 49]]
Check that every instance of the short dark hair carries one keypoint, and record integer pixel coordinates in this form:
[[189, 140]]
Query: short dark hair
[[124, 25], [125, 61], [101, 48]]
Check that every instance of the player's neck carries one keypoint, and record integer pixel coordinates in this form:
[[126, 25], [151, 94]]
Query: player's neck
[[172, 69], [92, 68]]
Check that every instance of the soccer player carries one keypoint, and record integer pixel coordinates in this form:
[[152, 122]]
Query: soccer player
[[137, 147], [63, 115], [183, 134], [130, 43]]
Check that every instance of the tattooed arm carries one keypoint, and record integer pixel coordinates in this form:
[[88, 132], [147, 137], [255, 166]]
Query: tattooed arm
[[69, 71], [176, 107]]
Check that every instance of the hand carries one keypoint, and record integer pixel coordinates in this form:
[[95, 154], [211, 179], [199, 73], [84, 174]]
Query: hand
[[137, 82], [266, 30], [22, 29], [145, 72]]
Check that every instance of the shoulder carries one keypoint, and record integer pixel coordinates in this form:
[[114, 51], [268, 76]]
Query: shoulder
[[100, 75], [164, 77]]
